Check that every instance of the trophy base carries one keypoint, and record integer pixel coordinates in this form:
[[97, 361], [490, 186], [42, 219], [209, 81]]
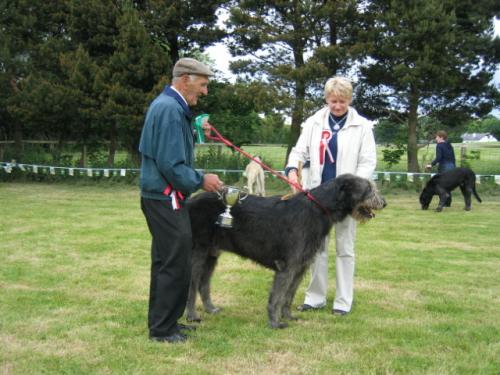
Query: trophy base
[[225, 221]]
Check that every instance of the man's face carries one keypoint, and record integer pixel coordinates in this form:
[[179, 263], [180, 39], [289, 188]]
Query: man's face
[[337, 105], [195, 88]]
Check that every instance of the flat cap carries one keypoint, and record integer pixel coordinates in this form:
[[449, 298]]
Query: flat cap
[[187, 65]]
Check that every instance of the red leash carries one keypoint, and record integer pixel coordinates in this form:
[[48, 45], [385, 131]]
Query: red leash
[[297, 186]]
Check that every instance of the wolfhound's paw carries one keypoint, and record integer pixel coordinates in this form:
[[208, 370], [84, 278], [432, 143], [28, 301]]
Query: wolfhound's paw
[[278, 325], [289, 317], [213, 310], [193, 319]]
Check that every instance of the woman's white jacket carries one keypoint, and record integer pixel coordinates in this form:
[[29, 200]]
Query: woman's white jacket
[[356, 150]]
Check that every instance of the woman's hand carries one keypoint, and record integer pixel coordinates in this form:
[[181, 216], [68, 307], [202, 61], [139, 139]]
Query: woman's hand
[[294, 178]]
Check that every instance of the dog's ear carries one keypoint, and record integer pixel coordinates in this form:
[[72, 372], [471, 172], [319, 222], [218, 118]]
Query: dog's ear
[[341, 187], [355, 189], [344, 191]]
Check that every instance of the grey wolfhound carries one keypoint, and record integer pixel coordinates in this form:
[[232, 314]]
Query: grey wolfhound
[[443, 183], [282, 235]]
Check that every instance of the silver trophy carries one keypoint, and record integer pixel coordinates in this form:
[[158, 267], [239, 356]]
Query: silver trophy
[[230, 196]]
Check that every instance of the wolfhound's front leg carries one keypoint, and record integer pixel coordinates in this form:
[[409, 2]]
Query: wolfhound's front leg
[[281, 283], [204, 286], [443, 197], [290, 293], [199, 264]]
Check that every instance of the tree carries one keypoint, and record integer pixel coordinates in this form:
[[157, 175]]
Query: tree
[[31, 37], [93, 28], [389, 132], [278, 36], [431, 57], [181, 27], [83, 123], [272, 129], [129, 80], [488, 124], [232, 110], [92, 24]]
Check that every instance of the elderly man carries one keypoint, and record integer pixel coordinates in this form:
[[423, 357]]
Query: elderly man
[[167, 179]]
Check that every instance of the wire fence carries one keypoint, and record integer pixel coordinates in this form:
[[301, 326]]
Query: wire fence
[[34, 169], [483, 158]]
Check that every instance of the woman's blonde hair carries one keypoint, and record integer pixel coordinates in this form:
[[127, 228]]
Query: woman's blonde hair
[[338, 86]]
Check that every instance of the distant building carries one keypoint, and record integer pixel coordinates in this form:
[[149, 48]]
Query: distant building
[[478, 137]]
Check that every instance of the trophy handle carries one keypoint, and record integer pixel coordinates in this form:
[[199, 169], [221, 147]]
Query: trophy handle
[[219, 194], [244, 190]]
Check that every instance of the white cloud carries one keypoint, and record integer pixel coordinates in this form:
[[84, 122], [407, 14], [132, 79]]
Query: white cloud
[[220, 54]]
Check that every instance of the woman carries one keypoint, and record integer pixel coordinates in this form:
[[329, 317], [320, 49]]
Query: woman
[[445, 156], [335, 140]]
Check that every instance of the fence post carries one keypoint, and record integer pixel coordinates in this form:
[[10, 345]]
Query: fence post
[[463, 155]]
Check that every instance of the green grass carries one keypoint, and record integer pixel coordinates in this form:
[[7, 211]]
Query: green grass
[[488, 162], [74, 280]]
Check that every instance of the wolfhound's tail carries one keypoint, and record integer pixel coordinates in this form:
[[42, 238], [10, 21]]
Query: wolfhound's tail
[[475, 194]]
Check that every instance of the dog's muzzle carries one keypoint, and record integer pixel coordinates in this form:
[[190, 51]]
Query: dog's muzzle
[[365, 210]]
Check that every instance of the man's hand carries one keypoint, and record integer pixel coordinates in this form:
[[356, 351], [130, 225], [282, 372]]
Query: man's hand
[[212, 183], [207, 127]]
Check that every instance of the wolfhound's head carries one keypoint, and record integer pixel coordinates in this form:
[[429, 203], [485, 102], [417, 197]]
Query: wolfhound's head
[[351, 195], [428, 192], [366, 199]]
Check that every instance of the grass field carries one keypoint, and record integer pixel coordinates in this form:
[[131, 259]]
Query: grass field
[[74, 279], [487, 154]]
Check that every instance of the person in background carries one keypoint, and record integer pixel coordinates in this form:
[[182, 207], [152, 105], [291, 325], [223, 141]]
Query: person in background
[[335, 140], [445, 156], [167, 179]]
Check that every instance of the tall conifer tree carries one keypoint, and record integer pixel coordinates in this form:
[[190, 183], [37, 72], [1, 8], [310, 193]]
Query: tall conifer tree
[[292, 45], [31, 38], [129, 80], [431, 57], [182, 27]]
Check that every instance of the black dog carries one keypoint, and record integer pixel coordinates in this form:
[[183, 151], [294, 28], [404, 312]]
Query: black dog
[[282, 235], [442, 185]]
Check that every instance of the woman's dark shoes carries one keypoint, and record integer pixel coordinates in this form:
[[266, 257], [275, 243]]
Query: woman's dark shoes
[[339, 312], [172, 339]]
